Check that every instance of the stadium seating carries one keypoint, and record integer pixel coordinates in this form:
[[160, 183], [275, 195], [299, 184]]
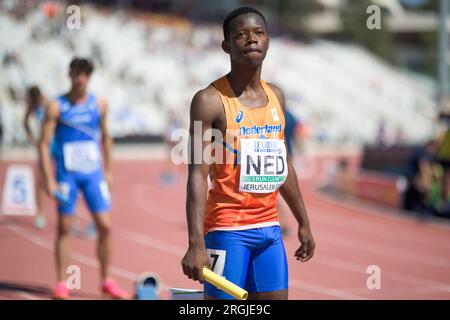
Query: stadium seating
[[146, 68]]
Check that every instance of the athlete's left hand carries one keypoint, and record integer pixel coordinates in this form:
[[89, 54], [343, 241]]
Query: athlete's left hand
[[306, 250]]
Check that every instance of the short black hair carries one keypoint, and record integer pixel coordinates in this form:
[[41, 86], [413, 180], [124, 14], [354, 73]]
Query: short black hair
[[34, 93], [236, 13], [81, 65]]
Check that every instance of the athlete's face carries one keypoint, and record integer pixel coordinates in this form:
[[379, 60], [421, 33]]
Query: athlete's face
[[79, 79], [248, 40]]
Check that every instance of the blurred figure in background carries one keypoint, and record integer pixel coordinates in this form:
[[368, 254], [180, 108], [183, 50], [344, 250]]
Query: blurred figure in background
[[77, 120], [1, 132], [381, 139], [292, 135], [36, 108], [170, 170], [292, 132], [419, 174], [443, 159]]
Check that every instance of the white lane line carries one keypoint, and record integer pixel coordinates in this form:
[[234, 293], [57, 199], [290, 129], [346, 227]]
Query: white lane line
[[394, 293], [37, 240], [154, 243], [138, 195], [340, 264], [366, 246], [373, 212], [27, 296], [393, 275], [374, 248], [179, 251], [360, 226], [336, 293], [41, 242], [160, 211]]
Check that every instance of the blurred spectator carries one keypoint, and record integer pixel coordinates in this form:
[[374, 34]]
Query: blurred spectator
[[36, 102], [433, 199], [1, 131], [443, 158], [419, 174], [51, 9], [381, 133], [170, 49], [400, 136], [292, 131], [343, 178], [35, 107], [292, 134], [170, 170]]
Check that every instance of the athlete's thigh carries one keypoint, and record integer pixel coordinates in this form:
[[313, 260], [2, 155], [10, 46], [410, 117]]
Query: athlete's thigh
[[229, 256], [269, 295], [268, 270], [102, 221], [96, 193], [64, 223], [68, 189]]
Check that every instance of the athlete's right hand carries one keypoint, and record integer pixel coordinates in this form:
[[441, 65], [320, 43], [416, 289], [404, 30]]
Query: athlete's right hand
[[193, 262], [51, 187]]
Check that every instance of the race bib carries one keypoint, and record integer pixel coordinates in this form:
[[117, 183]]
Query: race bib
[[263, 165], [81, 156]]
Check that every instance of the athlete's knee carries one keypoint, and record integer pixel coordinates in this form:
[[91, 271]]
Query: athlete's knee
[[104, 230], [103, 226], [64, 225], [269, 295]]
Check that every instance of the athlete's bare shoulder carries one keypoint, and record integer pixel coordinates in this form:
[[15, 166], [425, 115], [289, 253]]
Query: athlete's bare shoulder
[[103, 104], [206, 105], [52, 109], [279, 94]]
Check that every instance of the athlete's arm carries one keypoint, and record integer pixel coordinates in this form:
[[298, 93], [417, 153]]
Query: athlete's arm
[[205, 108], [290, 191], [26, 125], [48, 129], [106, 141]]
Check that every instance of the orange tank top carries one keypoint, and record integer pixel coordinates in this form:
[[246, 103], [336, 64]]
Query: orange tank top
[[243, 193]]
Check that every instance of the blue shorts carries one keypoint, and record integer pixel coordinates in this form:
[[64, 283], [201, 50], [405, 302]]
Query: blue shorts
[[94, 187], [253, 259]]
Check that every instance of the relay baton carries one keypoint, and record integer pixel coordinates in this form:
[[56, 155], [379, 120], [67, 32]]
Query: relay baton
[[224, 285]]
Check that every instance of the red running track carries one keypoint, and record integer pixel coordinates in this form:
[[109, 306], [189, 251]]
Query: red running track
[[149, 234]]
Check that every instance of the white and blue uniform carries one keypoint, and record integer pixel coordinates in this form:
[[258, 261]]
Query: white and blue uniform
[[39, 112], [78, 156]]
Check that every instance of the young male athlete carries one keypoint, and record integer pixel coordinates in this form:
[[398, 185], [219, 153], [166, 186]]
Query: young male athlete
[[234, 228], [77, 120], [36, 103]]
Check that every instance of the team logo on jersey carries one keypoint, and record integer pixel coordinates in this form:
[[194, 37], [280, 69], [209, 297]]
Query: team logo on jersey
[[246, 131], [275, 114], [239, 116], [64, 107]]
